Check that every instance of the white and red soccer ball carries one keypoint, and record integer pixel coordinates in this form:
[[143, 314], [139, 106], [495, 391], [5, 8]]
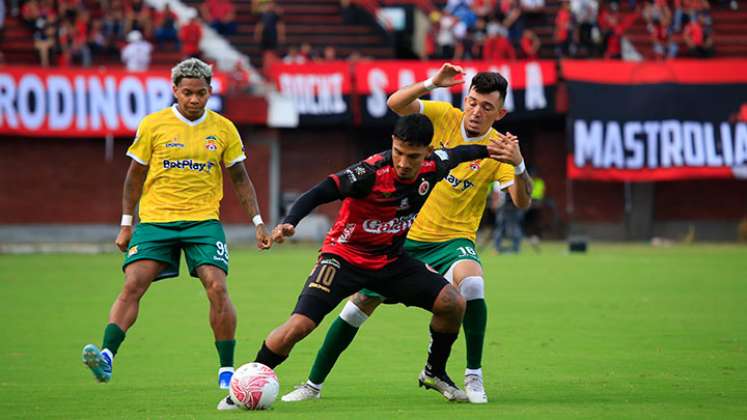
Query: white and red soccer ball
[[254, 386]]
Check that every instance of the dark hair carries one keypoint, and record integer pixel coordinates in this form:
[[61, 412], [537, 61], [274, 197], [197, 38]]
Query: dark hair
[[414, 129], [489, 82]]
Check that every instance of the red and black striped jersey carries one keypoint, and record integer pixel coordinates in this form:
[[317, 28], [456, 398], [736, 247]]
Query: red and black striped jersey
[[378, 208]]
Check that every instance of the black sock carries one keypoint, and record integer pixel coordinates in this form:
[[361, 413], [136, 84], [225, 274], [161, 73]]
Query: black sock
[[439, 352], [268, 357]]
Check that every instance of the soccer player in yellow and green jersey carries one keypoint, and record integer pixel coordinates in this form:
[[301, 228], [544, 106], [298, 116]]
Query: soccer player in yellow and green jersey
[[176, 176], [443, 235]]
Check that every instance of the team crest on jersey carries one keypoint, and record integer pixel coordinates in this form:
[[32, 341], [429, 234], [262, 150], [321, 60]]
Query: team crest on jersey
[[475, 165], [210, 143], [424, 186]]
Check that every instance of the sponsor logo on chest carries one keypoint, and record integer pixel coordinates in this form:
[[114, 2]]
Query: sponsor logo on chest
[[188, 164], [393, 226]]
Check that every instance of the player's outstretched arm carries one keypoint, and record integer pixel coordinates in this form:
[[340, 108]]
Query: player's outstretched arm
[[451, 158], [507, 150], [133, 189], [405, 100], [324, 192], [244, 188]]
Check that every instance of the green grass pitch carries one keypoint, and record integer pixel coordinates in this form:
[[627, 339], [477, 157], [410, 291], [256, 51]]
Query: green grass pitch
[[626, 331]]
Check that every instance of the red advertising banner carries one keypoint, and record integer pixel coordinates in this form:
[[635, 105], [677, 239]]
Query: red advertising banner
[[531, 84], [657, 121], [321, 91], [84, 102]]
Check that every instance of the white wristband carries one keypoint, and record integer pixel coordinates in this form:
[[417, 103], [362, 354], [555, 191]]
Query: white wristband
[[257, 220], [520, 168], [428, 84], [126, 220]]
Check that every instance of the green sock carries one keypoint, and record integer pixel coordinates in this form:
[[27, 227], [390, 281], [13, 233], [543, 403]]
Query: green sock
[[225, 352], [339, 336], [475, 320], [113, 337]]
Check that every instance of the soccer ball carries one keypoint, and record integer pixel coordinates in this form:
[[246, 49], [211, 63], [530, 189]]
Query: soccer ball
[[254, 386]]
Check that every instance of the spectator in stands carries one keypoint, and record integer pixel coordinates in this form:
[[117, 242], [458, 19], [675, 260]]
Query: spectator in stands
[[497, 45], [462, 11], [697, 39], [269, 32], [293, 56], [136, 54], [329, 53], [478, 36], [44, 39], [165, 24], [72, 40], [30, 13], [585, 15], [663, 45], [530, 45], [190, 35], [678, 14], [513, 19], [98, 41], [306, 52], [114, 23], [221, 15], [563, 34], [606, 21], [445, 39], [484, 9], [138, 16], [619, 26]]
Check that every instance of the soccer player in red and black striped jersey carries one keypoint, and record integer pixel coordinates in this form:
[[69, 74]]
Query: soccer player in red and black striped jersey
[[380, 198]]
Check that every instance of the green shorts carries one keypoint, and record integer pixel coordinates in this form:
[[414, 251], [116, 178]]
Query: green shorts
[[438, 255], [203, 242]]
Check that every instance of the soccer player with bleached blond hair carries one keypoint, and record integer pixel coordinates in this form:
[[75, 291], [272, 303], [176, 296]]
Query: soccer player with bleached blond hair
[[176, 177]]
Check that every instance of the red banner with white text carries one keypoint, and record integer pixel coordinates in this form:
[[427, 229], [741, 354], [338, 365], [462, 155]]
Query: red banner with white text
[[321, 92], [531, 86], [84, 102]]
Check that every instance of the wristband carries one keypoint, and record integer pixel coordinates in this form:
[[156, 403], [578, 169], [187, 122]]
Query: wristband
[[257, 220], [520, 168], [126, 220], [428, 84]]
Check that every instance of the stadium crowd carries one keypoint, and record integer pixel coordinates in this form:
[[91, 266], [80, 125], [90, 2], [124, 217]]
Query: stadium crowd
[[67, 32]]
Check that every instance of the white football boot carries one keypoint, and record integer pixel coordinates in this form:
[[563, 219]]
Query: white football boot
[[474, 389], [302, 393]]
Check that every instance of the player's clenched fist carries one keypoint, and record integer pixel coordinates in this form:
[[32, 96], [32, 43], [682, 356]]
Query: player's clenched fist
[[123, 239], [282, 231], [264, 240]]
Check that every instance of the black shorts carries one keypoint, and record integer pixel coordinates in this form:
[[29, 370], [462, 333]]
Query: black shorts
[[405, 280]]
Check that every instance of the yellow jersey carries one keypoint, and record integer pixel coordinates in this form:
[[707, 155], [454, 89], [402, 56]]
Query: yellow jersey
[[184, 181], [456, 204]]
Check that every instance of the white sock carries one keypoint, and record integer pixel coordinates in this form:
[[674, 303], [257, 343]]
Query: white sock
[[108, 353], [477, 372], [225, 369], [313, 385]]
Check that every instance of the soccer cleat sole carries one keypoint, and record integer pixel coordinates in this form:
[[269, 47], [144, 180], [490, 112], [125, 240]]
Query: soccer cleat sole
[[92, 359]]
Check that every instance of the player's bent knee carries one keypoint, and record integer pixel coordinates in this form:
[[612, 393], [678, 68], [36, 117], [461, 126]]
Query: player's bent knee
[[367, 304], [353, 315], [472, 288], [449, 302]]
